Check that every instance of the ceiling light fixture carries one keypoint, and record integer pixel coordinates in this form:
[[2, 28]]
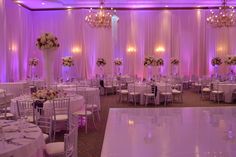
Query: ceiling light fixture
[[100, 18], [225, 17]]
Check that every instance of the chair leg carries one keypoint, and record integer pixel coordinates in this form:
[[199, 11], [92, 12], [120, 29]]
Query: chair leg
[[146, 101], [94, 122], [86, 125], [98, 114]]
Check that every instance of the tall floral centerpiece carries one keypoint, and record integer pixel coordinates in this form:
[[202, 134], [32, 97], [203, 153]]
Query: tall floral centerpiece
[[174, 62], [216, 62], [101, 63], [118, 63], [149, 63], [67, 62], [159, 63], [33, 62], [48, 43], [231, 61]]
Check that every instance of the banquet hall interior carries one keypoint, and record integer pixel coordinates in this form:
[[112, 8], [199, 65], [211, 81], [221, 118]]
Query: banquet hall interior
[[117, 78]]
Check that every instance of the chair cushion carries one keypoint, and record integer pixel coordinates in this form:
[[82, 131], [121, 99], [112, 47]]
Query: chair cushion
[[108, 86], [55, 148], [82, 113], [61, 117], [149, 94], [90, 106], [8, 115], [217, 92], [124, 91], [134, 93], [166, 93], [206, 89], [175, 91]]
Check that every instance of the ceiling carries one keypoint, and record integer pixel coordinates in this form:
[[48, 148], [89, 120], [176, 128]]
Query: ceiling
[[125, 4]]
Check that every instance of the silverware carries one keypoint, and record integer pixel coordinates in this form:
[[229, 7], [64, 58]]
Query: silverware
[[28, 131], [30, 138]]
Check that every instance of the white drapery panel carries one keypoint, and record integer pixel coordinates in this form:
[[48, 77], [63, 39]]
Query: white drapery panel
[[182, 34]]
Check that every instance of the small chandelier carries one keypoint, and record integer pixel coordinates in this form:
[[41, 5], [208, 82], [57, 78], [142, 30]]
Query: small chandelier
[[225, 17], [100, 18]]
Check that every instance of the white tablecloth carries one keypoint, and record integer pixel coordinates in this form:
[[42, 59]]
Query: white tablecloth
[[76, 103], [14, 87], [228, 90], [29, 147], [91, 95]]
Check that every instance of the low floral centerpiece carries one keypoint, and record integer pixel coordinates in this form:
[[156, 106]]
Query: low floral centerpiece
[[231, 60], [174, 61], [149, 61], [101, 62], [216, 61], [33, 62], [67, 61], [47, 41], [118, 62], [45, 94], [159, 62]]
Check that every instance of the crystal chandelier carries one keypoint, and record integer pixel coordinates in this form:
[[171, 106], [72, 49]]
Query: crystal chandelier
[[225, 17], [100, 18]]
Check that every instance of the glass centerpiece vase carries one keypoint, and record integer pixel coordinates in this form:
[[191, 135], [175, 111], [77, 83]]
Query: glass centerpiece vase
[[48, 65]]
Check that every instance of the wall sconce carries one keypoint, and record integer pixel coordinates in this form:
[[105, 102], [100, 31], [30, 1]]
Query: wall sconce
[[13, 48], [131, 50], [219, 49], [76, 50], [160, 49]]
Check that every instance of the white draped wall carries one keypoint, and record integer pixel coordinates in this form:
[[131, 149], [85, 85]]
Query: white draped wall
[[182, 34]]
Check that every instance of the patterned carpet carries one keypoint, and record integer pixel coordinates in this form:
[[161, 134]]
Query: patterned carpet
[[90, 144]]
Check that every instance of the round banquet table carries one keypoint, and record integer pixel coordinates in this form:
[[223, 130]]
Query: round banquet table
[[14, 87], [76, 103], [21, 141], [91, 95], [228, 91]]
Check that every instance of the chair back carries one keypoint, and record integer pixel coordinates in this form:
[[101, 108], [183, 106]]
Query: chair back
[[25, 108], [86, 97], [44, 120], [3, 111], [61, 106], [73, 121], [71, 142]]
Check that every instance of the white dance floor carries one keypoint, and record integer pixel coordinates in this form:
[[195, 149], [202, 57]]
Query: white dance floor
[[171, 132]]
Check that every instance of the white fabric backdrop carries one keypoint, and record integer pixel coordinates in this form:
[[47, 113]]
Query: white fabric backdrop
[[182, 33]]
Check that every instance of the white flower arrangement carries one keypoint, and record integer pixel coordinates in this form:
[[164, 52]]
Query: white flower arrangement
[[101, 62], [216, 61], [33, 61], [174, 61], [231, 60], [159, 62], [67, 61], [149, 61], [46, 94], [118, 62], [47, 41]]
